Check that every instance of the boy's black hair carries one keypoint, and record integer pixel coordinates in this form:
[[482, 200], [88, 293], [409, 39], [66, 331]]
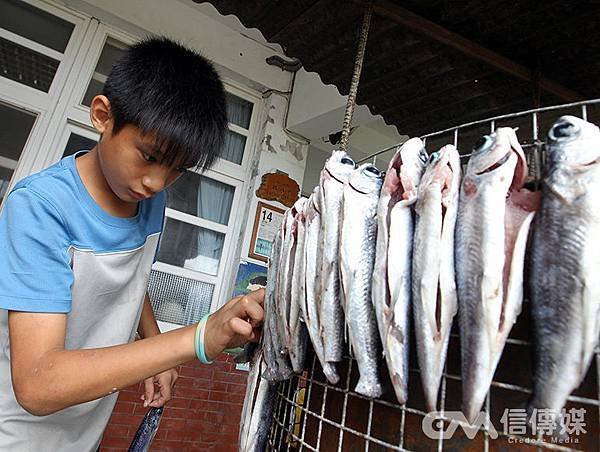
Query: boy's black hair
[[174, 94]]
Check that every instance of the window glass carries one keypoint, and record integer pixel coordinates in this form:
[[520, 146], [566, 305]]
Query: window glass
[[202, 197], [15, 126], [26, 66], [192, 247], [233, 148], [78, 143], [34, 24], [111, 52], [239, 111]]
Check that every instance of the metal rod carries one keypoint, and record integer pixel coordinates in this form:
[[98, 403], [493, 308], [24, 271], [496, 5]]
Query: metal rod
[[321, 417], [307, 398], [344, 407], [483, 121], [358, 62]]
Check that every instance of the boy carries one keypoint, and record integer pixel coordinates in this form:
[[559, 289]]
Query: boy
[[77, 241]]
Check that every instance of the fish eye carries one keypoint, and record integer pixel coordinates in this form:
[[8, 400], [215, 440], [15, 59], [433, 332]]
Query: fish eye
[[433, 157], [484, 143], [348, 161], [563, 129], [372, 169], [423, 156]]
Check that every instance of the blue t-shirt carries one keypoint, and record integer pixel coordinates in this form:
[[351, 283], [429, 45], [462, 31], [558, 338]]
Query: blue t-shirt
[[61, 253]]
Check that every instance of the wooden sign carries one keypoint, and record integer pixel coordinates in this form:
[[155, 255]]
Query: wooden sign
[[278, 187], [267, 222]]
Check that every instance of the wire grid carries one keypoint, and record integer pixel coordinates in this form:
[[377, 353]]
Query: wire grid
[[177, 299], [335, 418]]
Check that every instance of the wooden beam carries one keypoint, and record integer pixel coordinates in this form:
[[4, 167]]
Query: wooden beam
[[391, 11]]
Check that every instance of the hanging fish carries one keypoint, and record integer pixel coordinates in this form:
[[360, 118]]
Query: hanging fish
[[258, 407], [391, 289], [433, 287], [338, 168], [284, 278], [564, 284], [298, 332], [313, 248], [357, 256], [277, 364], [146, 431], [494, 215]]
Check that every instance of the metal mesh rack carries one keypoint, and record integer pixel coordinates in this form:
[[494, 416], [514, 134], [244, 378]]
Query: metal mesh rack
[[312, 415]]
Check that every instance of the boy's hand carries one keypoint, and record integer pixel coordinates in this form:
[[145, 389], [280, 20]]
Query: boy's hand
[[237, 322], [165, 382]]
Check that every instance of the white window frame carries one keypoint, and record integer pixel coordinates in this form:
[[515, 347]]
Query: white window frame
[[40, 103]]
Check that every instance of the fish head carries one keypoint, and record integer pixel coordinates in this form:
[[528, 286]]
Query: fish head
[[367, 179], [405, 170], [574, 142], [498, 151], [300, 205], [443, 170], [339, 166]]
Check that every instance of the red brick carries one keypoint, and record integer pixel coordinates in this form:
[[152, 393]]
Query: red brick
[[125, 419], [130, 396], [212, 417], [124, 407], [179, 402], [208, 405], [118, 431], [184, 382], [231, 428], [236, 388], [191, 393], [161, 433], [122, 443], [202, 372], [217, 386], [184, 435], [167, 446], [172, 424], [226, 397], [176, 413], [202, 383], [230, 377]]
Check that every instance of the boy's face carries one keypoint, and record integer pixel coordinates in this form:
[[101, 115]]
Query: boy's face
[[129, 162]]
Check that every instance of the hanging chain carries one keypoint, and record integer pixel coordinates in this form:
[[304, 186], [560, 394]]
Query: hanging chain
[[360, 54]]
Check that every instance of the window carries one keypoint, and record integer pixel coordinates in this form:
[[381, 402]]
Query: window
[[111, 52], [32, 44], [193, 242], [239, 112], [15, 127]]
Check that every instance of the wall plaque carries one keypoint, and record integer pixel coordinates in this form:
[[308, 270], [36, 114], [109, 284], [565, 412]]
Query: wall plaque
[[278, 187]]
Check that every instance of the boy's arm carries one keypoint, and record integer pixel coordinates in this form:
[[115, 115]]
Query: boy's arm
[[47, 378], [147, 326], [165, 381]]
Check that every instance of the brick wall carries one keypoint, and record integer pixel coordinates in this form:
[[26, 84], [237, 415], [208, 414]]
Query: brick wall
[[203, 415]]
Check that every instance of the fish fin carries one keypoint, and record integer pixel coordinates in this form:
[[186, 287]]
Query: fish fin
[[514, 293]]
